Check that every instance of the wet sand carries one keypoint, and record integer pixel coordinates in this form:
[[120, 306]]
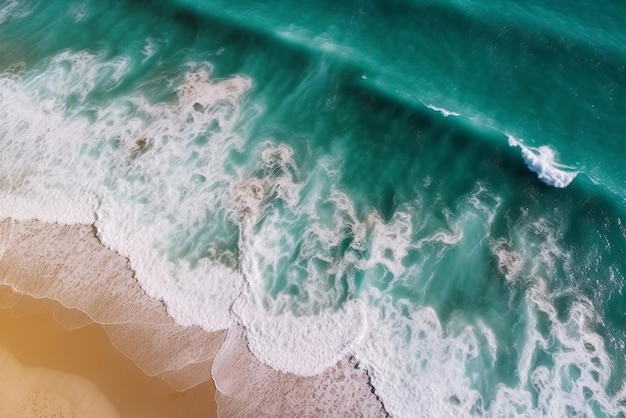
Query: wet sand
[[38, 340]]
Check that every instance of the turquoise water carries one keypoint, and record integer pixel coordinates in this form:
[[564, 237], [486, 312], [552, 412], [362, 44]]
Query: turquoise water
[[445, 177]]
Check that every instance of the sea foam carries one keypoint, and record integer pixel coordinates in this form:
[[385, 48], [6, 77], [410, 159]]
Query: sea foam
[[305, 346], [444, 112], [542, 161]]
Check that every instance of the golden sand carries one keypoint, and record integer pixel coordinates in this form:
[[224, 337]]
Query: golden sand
[[41, 392], [74, 370]]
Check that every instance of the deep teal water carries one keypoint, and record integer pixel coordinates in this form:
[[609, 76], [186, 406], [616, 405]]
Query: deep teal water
[[389, 143]]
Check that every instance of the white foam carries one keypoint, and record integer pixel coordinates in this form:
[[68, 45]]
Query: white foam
[[277, 180], [30, 174], [314, 340], [580, 372], [416, 369], [76, 74], [279, 161], [542, 161], [272, 203], [420, 369], [442, 236], [443, 111], [247, 387], [177, 204], [305, 346], [392, 361], [477, 210], [149, 49], [510, 263], [389, 242], [579, 366], [486, 203], [198, 90]]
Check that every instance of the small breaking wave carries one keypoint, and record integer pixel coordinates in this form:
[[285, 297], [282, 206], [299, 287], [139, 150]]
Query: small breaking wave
[[444, 112], [542, 161]]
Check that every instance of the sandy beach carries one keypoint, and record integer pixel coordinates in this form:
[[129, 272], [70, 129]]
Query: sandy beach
[[53, 275], [37, 340], [58, 284]]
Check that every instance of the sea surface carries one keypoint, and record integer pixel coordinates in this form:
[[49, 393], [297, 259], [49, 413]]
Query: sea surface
[[433, 189]]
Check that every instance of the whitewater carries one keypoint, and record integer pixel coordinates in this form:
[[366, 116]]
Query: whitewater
[[395, 208]]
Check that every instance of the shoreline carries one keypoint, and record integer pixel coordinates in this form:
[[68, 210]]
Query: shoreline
[[67, 266], [74, 298], [82, 288]]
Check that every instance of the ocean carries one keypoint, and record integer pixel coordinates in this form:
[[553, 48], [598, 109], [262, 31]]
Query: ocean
[[430, 194]]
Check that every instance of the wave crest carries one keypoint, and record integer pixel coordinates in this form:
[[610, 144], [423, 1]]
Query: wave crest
[[542, 161]]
